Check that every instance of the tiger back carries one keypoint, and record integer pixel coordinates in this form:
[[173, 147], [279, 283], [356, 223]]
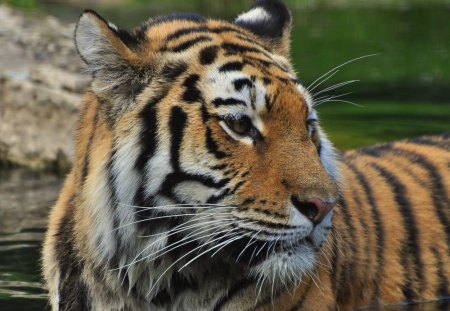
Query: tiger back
[[203, 181]]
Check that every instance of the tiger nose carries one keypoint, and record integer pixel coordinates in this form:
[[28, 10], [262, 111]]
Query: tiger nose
[[314, 209]]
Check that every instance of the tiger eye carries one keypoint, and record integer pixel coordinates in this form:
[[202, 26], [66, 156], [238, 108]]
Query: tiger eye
[[240, 126]]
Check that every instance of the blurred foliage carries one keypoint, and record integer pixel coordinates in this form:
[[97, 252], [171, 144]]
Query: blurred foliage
[[405, 87], [24, 4]]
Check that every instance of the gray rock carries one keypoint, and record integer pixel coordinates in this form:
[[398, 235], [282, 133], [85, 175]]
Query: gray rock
[[41, 81]]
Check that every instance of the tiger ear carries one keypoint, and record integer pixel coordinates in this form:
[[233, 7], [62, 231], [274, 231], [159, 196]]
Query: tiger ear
[[271, 21], [110, 54]]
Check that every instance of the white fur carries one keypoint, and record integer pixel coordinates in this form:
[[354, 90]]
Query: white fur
[[256, 15]]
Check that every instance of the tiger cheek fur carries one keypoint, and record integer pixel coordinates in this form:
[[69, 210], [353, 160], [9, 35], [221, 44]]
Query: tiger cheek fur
[[202, 181]]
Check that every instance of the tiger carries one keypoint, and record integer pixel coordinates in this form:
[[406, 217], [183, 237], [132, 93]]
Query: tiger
[[202, 180]]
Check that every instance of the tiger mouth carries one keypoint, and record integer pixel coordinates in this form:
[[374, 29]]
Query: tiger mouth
[[249, 251]]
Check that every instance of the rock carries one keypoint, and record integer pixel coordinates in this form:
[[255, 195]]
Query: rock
[[41, 81]]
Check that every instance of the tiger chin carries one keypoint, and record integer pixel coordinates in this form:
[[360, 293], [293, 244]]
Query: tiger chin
[[203, 181]]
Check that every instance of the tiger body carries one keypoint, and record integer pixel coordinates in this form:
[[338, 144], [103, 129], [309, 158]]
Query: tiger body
[[202, 181]]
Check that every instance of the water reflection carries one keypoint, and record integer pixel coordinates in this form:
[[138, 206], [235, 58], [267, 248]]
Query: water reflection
[[25, 198]]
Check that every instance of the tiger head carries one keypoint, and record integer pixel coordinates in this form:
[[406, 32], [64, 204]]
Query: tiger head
[[214, 138]]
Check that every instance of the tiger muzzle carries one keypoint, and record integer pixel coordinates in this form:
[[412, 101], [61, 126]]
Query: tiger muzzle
[[314, 209]]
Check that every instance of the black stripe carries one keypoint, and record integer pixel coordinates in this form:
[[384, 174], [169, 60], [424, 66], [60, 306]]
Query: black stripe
[[208, 55], [442, 291], [233, 48], [377, 222], [219, 167], [348, 265], [235, 290], [237, 186], [375, 151], [334, 259], [205, 113], [72, 290], [241, 35], [177, 124], [267, 102], [232, 66], [188, 44], [175, 17], [240, 83], [185, 31], [86, 161], [147, 140], [216, 198], [266, 81], [439, 195], [411, 247], [248, 201], [429, 141], [172, 71], [212, 146], [175, 178], [227, 101], [192, 93]]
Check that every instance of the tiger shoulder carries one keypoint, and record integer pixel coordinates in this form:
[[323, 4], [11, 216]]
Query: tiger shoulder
[[202, 180]]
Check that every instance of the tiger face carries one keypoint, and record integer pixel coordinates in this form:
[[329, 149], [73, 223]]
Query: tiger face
[[215, 137]]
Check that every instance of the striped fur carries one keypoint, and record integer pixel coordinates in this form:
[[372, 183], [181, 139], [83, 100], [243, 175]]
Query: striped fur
[[198, 170]]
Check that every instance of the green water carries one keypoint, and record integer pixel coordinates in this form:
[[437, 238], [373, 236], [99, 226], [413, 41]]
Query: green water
[[404, 91], [404, 88]]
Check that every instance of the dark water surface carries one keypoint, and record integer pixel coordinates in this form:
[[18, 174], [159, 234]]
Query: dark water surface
[[25, 198]]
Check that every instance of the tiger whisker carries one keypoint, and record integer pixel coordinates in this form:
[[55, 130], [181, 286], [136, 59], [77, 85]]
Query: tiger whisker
[[163, 217], [171, 232], [272, 296], [324, 80], [314, 278], [242, 236], [341, 65], [335, 86], [176, 261], [172, 247], [318, 101], [343, 101], [233, 238], [186, 223], [248, 244], [261, 248], [261, 279], [201, 225], [186, 206]]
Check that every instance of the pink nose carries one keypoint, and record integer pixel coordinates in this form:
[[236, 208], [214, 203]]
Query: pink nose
[[314, 209], [323, 208]]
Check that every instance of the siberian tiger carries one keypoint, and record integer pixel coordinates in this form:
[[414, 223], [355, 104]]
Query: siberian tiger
[[202, 181]]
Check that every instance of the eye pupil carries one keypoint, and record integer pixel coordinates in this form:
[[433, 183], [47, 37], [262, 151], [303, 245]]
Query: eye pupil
[[240, 126]]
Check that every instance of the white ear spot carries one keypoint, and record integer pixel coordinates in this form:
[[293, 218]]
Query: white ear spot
[[112, 26], [254, 16]]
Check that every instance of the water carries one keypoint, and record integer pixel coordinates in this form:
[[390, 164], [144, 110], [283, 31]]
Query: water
[[25, 198]]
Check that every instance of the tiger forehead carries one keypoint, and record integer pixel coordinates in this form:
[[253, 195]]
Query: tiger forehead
[[182, 35], [171, 30], [226, 58]]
